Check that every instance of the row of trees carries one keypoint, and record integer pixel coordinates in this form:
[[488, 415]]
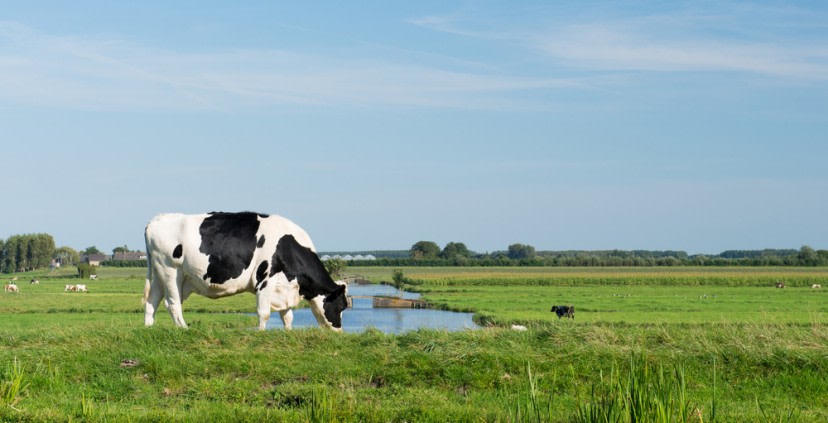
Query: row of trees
[[429, 250], [35, 251], [428, 253], [20, 253]]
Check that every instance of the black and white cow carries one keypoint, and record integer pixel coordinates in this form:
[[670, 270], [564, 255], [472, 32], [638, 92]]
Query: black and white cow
[[221, 254], [564, 311]]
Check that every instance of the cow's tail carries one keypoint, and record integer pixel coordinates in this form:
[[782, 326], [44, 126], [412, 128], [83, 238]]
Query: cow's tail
[[148, 283]]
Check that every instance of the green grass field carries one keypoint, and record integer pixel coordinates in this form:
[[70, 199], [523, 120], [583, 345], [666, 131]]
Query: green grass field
[[744, 351]]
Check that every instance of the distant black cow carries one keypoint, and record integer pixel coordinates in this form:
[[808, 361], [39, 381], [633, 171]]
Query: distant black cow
[[564, 311], [780, 285]]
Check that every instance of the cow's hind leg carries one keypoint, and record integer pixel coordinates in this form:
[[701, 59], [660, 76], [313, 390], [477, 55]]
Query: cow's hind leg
[[153, 301], [172, 281]]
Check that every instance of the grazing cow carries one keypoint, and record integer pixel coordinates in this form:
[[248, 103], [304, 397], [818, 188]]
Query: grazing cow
[[81, 288], [67, 288], [220, 254], [34, 281], [780, 285], [10, 287], [93, 277], [816, 286], [519, 328], [564, 311]]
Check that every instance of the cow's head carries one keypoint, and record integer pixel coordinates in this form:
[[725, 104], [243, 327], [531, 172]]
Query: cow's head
[[334, 304], [328, 298]]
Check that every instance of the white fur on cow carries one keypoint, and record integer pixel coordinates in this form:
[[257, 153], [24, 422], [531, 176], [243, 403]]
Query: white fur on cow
[[221, 254], [75, 288], [10, 287]]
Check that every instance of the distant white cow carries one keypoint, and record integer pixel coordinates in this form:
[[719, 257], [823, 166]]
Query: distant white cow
[[73, 288], [221, 254], [816, 286], [93, 277], [10, 287]]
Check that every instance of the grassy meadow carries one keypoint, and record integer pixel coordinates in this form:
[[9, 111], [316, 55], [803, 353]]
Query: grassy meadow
[[652, 344]]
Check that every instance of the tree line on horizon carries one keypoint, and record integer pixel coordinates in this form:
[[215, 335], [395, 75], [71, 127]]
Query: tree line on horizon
[[429, 253], [21, 253], [37, 251]]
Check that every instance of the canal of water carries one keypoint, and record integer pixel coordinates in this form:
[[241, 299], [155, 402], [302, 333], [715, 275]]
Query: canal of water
[[363, 315]]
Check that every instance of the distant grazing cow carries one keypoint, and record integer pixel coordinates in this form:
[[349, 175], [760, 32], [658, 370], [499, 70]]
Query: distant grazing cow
[[10, 287], [780, 285], [519, 327], [34, 281], [67, 288], [816, 286], [81, 288], [564, 311], [93, 277], [221, 254]]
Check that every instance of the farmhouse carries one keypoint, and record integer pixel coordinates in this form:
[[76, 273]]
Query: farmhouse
[[94, 259], [130, 255]]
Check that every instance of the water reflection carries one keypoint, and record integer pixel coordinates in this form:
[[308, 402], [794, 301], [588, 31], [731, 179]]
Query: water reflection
[[388, 320]]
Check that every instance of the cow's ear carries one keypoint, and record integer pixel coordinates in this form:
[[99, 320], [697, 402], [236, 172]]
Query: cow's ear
[[340, 290]]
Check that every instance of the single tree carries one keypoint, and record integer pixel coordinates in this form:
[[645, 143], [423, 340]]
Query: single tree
[[521, 251], [91, 250], [424, 250], [335, 267], [454, 250]]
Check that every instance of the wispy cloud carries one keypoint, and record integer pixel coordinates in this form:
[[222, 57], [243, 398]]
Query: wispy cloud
[[42, 69], [778, 42], [621, 49]]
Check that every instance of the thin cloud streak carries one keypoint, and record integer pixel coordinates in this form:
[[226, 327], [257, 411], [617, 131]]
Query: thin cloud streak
[[613, 49], [731, 40], [89, 73]]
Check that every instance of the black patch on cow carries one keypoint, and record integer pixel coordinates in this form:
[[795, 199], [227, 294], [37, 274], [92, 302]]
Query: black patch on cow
[[260, 244], [564, 311], [261, 275], [179, 249], [229, 240], [301, 263], [261, 272]]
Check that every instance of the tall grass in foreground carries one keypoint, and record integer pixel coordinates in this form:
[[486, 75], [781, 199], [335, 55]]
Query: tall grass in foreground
[[645, 394], [531, 407], [12, 385]]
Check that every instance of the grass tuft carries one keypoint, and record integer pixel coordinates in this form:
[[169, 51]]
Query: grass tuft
[[13, 385]]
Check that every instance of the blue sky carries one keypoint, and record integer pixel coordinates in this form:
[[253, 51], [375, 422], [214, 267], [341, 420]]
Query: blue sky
[[696, 126]]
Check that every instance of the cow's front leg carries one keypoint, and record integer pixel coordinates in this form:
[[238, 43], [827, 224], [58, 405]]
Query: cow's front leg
[[263, 307], [287, 317]]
